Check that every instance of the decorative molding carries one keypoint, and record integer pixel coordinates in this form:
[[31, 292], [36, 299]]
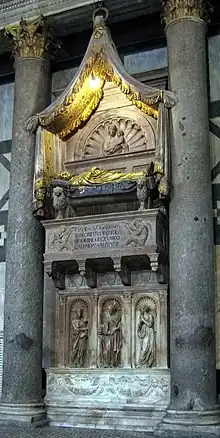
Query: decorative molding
[[30, 38], [174, 10]]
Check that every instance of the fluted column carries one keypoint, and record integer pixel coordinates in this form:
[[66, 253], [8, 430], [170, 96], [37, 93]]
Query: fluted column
[[22, 380], [192, 291]]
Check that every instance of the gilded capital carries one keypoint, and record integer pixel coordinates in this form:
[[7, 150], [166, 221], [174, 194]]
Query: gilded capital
[[30, 38], [173, 10]]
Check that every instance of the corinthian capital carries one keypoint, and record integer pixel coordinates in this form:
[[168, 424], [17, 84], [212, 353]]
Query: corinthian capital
[[174, 10], [30, 38]]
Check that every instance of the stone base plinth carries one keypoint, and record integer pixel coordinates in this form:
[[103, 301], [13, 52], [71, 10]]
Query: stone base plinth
[[187, 423], [192, 418], [107, 399], [29, 414]]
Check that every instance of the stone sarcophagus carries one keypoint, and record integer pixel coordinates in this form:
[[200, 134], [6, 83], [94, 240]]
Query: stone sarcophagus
[[101, 187], [118, 241]]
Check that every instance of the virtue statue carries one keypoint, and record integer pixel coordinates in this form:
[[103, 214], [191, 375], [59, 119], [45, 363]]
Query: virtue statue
[[79, 338], [147, 336], [111, 337]]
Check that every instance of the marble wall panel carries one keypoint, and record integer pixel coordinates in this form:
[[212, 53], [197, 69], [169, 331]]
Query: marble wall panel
[[146, 61], [61, 79], [6, 110], [214, 124], [214, 67]]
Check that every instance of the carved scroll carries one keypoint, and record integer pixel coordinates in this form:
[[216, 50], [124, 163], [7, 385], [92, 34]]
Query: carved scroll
[[110, 333]]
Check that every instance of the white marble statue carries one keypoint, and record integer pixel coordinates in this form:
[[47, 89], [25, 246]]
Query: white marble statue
[[147, 336]]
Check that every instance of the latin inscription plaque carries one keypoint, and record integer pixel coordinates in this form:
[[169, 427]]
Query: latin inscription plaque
[[99, 235]]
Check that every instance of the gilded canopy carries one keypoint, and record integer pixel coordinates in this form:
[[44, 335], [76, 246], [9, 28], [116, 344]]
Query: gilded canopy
[[81, 98]]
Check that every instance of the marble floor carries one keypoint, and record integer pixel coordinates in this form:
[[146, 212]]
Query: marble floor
[[48, 432]]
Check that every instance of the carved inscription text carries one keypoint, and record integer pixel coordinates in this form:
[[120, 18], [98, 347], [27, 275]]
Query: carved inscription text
[[98, 236]]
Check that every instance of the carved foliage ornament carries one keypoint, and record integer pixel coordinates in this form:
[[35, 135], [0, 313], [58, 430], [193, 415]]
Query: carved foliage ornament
[[31, 38], [176, 9]]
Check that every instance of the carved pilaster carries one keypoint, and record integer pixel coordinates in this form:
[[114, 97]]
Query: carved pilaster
[[173, 10], [31, 39], [127, 334], [61, 347], [94, 346]]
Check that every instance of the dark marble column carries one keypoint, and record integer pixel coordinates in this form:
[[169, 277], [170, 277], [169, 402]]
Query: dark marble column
[[192, 290], [22, 373]]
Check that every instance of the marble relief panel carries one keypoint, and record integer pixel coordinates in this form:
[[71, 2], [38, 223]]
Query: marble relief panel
[[114, 330]]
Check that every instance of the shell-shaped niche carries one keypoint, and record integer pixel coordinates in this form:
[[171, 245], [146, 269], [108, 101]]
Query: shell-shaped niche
[[115, 136], [146, 329], [110, 333]]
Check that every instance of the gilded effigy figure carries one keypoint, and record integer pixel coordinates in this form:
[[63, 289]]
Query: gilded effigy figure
[[103, 176], [147, 336], [79, 338], [111, 337], [115, 141]]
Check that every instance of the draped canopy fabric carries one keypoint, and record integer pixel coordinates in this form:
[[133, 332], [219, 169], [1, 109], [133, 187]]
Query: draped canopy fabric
[[81, 98]]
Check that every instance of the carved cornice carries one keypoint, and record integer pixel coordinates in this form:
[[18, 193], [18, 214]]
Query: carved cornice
[[174, 10], [30, 38], [13, 10]]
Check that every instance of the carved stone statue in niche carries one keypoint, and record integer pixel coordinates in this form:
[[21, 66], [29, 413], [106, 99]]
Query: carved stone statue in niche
[[114, 142], [147, 337], [117, 135], [79, 335], [111, 334]]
